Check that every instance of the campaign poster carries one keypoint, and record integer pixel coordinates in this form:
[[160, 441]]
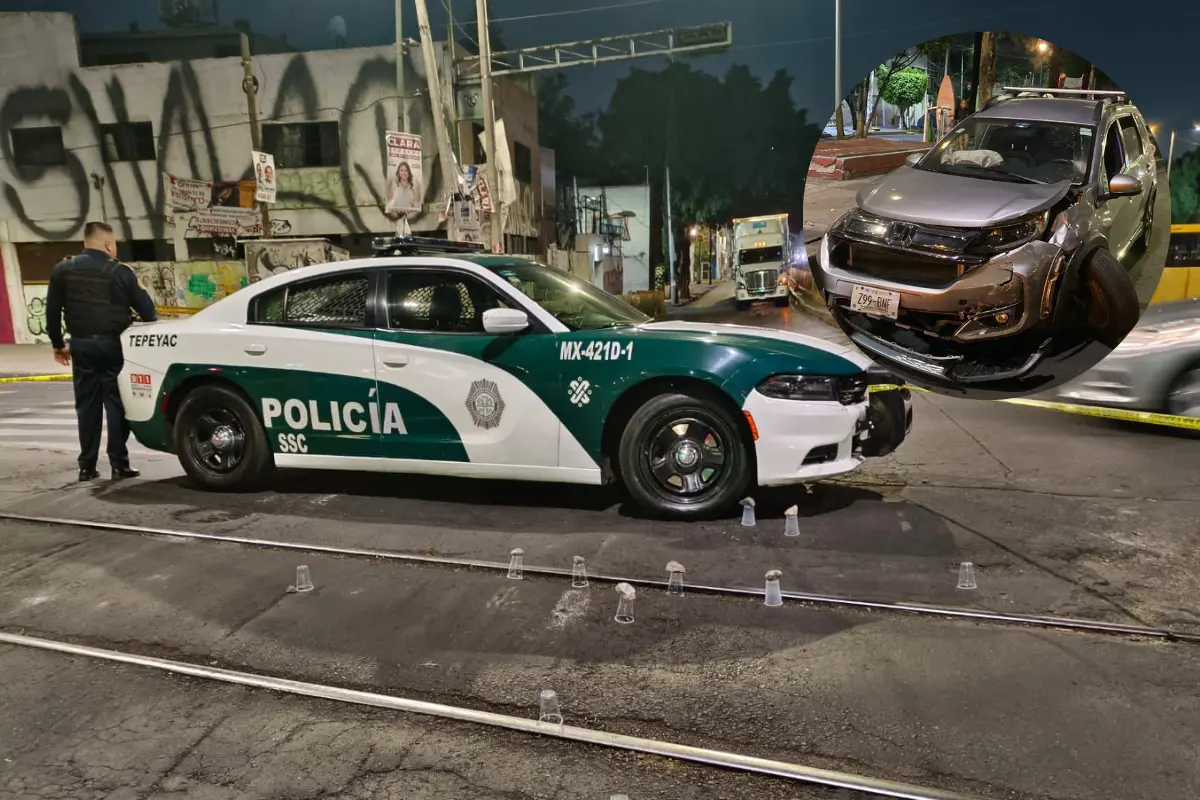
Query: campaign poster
[[264, 176], [405, 185]]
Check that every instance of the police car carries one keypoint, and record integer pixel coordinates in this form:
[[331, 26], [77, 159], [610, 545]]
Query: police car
[[437, 358]]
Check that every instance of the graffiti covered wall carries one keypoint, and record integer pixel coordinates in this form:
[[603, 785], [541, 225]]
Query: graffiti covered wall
[[267, 258], [188, 285], [198, 115]]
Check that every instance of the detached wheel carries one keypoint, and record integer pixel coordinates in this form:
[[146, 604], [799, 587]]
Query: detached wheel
[[684, 457], [1111, 300], [221, 444]]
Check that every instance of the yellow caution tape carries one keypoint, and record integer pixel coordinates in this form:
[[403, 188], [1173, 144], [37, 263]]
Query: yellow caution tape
[[1120, 414], [34, 378]]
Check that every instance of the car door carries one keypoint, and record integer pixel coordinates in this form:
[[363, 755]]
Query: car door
[[307, 363], [1119, 213], [1139, 161], [467, 396]]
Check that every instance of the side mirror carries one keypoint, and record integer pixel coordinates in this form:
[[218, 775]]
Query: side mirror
[[505, 320], [912, 158], [1123, 185]]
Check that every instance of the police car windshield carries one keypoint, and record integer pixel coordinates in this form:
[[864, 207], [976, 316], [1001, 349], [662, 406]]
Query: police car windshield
[[576, 304]]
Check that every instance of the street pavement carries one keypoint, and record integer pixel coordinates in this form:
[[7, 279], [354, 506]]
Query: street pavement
[[1060, 514]]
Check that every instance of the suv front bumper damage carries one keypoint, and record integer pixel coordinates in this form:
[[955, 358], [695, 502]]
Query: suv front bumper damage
[[1004, 296]]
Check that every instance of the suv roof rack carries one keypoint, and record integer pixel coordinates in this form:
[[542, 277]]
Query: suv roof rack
[[415, 245], [1086, 94]]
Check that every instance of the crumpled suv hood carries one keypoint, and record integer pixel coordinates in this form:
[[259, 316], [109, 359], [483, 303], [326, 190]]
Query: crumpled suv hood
[[935, 198]]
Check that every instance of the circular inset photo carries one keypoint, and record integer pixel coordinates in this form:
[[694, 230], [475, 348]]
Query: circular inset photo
[[996, 215]]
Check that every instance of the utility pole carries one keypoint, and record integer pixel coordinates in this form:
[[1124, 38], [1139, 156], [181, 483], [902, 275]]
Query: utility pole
[[401, 89], [837, 64], [1170, 155], [250, 87], [445, 154], [489, 121], [671, 243]]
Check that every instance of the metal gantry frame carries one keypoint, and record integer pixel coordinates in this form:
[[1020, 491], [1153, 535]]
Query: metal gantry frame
[[664, 43]]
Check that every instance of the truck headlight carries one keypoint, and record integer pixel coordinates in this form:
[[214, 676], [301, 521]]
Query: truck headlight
[[800, 387]]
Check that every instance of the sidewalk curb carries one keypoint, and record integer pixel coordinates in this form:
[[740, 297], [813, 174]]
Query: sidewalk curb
[[34, 378]]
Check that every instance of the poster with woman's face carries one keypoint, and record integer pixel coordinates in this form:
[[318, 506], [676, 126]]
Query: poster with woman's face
[[405, 189]]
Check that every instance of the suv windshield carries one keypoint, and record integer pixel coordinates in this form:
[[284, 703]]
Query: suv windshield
[[1022, 151], [578, 305]]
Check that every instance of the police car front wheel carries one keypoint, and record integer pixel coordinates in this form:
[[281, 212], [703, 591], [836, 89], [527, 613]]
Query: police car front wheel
[[220, 441], [684, 456]]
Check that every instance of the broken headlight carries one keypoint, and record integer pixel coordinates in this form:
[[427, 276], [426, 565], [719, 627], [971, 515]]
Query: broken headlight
[[1006, 237]]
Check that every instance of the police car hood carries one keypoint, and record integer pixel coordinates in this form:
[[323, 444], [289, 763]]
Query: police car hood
[[782, 342]]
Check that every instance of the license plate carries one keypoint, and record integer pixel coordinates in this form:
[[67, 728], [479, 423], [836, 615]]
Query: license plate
[[875, 302]]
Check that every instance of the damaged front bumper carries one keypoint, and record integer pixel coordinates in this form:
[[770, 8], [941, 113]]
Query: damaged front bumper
[[888, 420], [945, 295]]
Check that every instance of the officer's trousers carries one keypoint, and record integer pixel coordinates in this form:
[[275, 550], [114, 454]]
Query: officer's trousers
[[95, 365]]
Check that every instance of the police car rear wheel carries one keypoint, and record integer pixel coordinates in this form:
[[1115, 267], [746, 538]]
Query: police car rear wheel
[[684, 456], [220, 442]]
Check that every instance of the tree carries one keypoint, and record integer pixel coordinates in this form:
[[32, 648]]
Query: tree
[[570, 135], [735, 145], [932, 50], [906, 88], [1185, 188]]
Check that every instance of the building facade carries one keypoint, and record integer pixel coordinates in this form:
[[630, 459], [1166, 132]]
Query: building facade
[[80, 143]]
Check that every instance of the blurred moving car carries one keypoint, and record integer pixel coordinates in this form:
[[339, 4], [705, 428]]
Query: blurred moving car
[[1156, 368]]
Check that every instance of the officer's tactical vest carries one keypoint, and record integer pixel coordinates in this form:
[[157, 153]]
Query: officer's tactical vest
[[94, 305]]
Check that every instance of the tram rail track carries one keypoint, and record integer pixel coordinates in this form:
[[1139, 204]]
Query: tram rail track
[[720, 759], [833, 601]]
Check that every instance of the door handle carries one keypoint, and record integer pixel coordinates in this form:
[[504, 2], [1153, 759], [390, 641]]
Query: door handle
[[255, 349], [395, 361]]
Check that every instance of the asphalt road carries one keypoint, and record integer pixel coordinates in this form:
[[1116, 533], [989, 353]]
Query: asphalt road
[[1061, 514]]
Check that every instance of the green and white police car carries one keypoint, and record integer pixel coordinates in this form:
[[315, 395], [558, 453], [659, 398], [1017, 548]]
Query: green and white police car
[[439, 359]]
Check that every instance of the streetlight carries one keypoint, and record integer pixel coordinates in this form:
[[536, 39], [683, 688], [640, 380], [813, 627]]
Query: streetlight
[[1043, 47], [694, 232]]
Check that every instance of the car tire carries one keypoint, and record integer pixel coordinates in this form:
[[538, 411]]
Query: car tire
[[1187, 381], [1112, 308], [243, 462], [651, 453]]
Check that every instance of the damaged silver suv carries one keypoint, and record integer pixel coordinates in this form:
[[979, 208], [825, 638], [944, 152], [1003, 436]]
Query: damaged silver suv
[[963, 265]]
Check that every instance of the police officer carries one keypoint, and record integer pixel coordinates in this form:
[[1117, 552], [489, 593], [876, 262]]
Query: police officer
[[96, 292]]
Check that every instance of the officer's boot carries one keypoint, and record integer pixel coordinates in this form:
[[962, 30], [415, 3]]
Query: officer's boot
[[121, 473]]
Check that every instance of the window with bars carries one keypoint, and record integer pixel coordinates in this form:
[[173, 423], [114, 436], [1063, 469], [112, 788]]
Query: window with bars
[[303, 144], [339, 300], [128, 141]]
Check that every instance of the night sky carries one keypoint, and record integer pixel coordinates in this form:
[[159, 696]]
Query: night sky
[[1147, 47]]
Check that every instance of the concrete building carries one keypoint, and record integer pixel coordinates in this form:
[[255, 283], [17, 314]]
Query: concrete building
[[623, 227], [80, 143]]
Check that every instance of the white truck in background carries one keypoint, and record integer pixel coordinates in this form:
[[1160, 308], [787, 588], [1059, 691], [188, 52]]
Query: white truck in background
[[760, 259]]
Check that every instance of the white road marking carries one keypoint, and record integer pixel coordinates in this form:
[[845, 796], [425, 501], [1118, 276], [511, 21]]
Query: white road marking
[[905, 526], [38, 421]]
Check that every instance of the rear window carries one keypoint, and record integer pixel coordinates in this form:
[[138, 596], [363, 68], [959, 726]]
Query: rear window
[[339, 300]]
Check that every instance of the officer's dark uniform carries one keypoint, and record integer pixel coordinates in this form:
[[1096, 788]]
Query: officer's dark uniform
[[96, 293]]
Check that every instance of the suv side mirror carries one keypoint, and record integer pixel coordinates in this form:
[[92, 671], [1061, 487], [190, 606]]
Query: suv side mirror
[[912, 158], [1123, 185], [505, 320]]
